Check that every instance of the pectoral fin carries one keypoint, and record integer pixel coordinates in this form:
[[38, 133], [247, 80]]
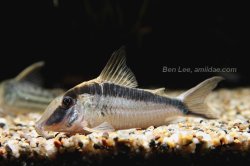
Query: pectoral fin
[[104, 127]]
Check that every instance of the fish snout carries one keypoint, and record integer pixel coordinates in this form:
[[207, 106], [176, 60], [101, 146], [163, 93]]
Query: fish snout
[[39, 127]]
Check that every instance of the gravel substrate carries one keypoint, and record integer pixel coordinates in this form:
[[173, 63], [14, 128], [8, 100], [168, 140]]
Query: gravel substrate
[[192, 140]]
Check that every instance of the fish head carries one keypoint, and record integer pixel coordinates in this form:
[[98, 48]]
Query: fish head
[[8, 90], [62, 115]]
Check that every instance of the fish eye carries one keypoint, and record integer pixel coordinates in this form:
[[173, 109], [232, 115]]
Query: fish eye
[[67, 102]]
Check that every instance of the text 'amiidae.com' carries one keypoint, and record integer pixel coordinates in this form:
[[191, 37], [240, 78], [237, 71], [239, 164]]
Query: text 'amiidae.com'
[[206, 69]]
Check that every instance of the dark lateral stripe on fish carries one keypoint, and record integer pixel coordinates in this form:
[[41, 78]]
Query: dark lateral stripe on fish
[[112, 90], [91, 89], [24, 94], [35, 100]]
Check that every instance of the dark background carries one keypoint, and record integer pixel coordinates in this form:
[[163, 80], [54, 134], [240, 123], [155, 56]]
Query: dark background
[[76, 38]]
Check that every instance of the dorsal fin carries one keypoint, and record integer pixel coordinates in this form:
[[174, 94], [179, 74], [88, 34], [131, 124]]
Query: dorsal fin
[[31, 73], [116, 71]]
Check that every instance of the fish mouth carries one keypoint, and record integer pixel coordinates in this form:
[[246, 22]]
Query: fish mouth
[[45, 131], [39, 127]]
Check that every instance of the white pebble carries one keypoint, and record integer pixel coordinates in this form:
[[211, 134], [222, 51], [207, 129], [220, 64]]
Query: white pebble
[[13, 146]]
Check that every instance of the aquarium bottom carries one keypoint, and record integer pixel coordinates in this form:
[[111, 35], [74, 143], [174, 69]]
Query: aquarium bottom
[[190, 141]]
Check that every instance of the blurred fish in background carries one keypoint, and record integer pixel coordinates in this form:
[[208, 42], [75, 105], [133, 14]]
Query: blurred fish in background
[[25, 93]]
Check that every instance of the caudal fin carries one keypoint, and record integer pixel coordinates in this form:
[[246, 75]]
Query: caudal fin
[[194, 98]]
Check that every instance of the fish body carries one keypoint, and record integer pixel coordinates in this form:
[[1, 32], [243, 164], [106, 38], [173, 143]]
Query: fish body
[[125, 107], [23, 93], [112, 101]]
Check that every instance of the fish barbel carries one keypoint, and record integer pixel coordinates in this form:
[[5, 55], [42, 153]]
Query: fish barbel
[[111, 101], [24, 93]]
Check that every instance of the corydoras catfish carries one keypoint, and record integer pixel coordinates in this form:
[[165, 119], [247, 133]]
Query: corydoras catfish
[[111, 102], [24, 93]]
